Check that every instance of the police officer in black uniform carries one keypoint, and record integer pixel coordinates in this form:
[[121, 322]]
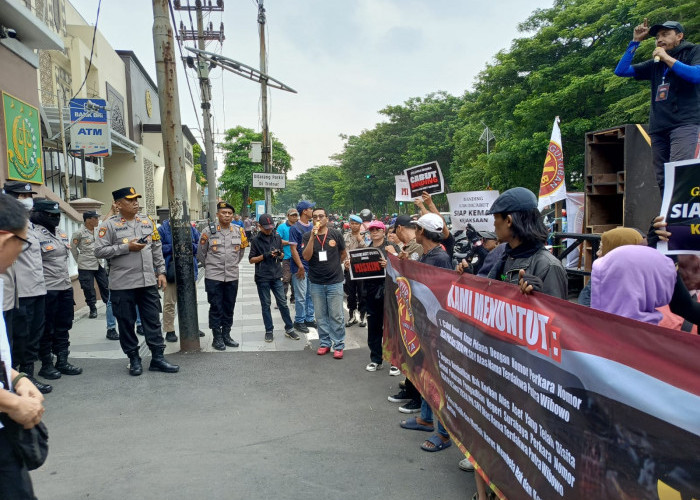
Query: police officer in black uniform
[[132, 244]]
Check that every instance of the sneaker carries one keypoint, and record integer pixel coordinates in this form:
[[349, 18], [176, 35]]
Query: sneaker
[[323, 350], [112, 334], [93, 312], [352, 319], [412, 406], [400, 397], [269, 337], [466, 465], [292, 334], [139, 330], [394, 371], [301, 327], [170, 337], [362, 323], [338, 354], [373, 367], [311, 324]]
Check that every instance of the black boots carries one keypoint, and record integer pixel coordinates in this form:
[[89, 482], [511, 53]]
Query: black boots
[[218, 342], [363, 321], [47, 370], [160, 364], [135, 367], [227, 338], [93, 312], [63, 366], [28, 368]]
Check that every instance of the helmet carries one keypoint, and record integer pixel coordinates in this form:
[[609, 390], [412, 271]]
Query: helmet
[[366, 215]]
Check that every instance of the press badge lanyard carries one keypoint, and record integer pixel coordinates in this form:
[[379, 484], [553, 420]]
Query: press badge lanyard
[[322, 254], [662, 89]]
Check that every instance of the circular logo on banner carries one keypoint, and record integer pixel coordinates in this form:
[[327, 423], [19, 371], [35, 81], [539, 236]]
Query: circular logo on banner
[[553, 171]]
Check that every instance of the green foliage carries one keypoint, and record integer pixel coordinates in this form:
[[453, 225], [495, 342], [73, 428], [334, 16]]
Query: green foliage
[[318, 184], [199, 175], [235, 183]]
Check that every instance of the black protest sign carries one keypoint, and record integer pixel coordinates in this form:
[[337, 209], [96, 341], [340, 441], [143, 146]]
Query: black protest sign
[[364, 264], [425, 178], [681, 207]]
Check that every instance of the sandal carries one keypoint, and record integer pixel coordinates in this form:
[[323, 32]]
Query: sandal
[[413, 425], [438, 443]]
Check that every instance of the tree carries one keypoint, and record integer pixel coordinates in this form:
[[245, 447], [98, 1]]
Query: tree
[[199, 176], [237, 179]]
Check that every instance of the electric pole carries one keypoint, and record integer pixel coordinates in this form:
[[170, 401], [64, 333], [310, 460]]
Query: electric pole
[[266, 146], [201, 35], [173, 152]]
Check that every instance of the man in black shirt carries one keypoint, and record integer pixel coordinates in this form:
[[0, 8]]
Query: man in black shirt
[[266, 253], [324, 250]]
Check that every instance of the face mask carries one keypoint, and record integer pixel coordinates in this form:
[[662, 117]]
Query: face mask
[[27, 202]]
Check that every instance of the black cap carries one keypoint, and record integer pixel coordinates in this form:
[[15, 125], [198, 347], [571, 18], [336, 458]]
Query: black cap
[[128, 192], [403, 220], [48, 206], [266, 221], [222, 204], [90, 214], [668, 25], [18, 187], [516, 199]]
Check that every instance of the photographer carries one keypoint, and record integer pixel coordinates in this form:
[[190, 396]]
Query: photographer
[[266, 253], [481, 243]]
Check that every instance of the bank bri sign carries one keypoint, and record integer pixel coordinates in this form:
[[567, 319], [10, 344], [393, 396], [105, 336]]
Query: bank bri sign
[[90, 130]]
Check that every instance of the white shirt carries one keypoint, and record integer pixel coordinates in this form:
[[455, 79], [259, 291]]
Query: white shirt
[[5, 353]]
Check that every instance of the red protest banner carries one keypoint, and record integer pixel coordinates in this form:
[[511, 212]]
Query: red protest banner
[[549, 399]]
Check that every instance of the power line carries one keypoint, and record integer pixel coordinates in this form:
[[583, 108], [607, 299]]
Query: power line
[[92, 50]]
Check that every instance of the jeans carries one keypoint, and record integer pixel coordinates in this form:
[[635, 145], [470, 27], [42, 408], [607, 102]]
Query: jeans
[[328, 303], [676, 144], [112, 321], [277, 289], [426, 414], [303, 304]]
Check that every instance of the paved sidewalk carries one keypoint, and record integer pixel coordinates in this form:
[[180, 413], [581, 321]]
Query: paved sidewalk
[[88, 335]]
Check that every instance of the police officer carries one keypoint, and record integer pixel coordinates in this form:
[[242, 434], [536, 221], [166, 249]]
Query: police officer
[[131, 242], [28, 317], [89, 268], [55, 248], [220, 251]]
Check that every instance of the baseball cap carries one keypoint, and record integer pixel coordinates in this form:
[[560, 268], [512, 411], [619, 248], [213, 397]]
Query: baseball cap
[[304, 204], [90, 214], [668, 25], [18, 187], [266, 221], [488, 235], [376, 224], [128, 192], [48, 206], [404, 220], [430, 222], [516, 199], [355, 218], [292, 211]]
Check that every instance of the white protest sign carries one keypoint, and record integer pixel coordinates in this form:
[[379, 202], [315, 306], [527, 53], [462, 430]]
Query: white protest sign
[[470, 207], [403, 188]]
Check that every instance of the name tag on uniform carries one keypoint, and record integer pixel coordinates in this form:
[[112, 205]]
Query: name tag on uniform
[[322, 256], [662, 92]]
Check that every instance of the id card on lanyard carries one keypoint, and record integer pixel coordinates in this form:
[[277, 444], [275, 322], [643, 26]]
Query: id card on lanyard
[[322, 254], [662, 89]]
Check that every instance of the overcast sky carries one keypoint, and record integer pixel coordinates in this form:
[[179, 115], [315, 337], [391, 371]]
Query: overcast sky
[[347, 59]]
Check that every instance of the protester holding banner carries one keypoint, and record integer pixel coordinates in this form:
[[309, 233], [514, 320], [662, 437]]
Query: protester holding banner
[[428, 234], [374, 293], [674, 73], [354, 288]]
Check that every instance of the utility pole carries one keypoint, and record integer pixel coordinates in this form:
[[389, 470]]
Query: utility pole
[[266, 146], [66, 180], [201, 36], [173, 152]]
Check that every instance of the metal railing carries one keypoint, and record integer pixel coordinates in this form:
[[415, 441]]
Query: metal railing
[[54, 173]]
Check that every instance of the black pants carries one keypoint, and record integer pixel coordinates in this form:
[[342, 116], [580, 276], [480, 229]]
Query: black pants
[[375, 327], [15, 483], [124, 304], [221, 296], [59, 321], [672, 145], [355, 293], [28, 328], [87, 279], [9, 316]]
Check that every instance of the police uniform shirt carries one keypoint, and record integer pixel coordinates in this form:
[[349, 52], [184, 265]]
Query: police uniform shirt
[[351, 242], [222, 251], [83, 249], [127, 269], [9, 288], [29, 267], [54, 256]]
